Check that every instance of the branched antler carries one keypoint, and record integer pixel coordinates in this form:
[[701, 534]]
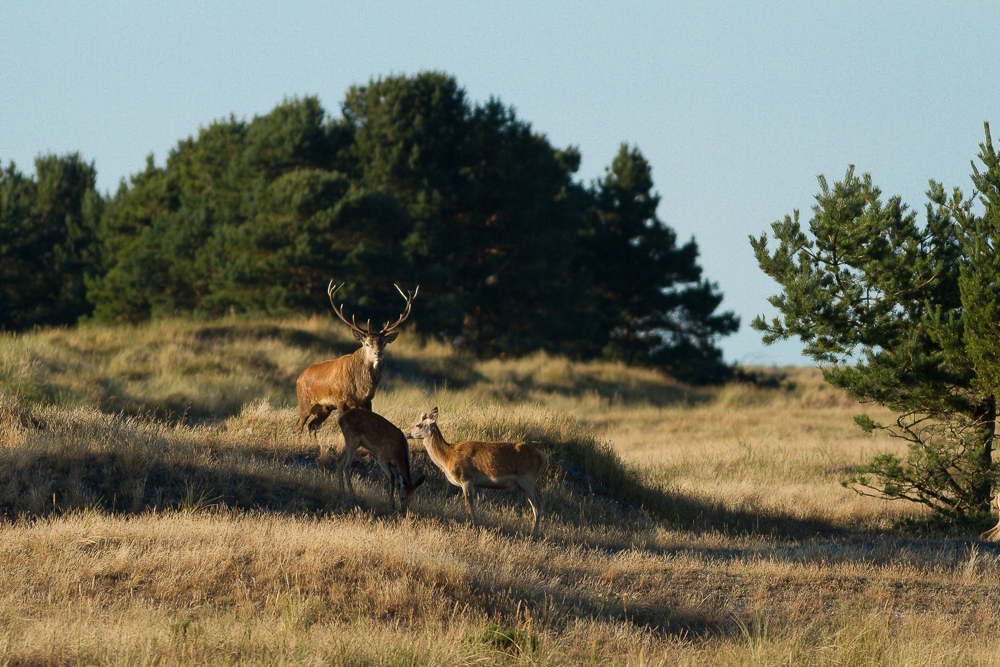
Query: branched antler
[[387, 329]]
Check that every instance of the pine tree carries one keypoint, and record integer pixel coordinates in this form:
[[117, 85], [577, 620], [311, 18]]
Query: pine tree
[[492, 234], [906, 316], [48, 244], [412, 185], [652, 303]]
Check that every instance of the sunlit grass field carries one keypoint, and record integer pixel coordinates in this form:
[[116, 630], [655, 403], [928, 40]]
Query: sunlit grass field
[[157, 508]]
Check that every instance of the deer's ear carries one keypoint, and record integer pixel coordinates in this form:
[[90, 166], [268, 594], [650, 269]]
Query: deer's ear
[[359, 336], [434, 414], [391, 337]]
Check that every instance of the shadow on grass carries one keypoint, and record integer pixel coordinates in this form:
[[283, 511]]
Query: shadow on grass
[[72, 460], [298, 481], [557, 607], [49, 484], [320, 343], [593, 471], [64, 484]]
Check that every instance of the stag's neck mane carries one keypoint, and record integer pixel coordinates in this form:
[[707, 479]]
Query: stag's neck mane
[[366, 374]]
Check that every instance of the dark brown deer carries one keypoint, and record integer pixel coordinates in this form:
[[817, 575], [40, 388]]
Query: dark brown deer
[[348, 381], [362, 428]]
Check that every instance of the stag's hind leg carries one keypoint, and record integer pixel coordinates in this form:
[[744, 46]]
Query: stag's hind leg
[[303, 417]]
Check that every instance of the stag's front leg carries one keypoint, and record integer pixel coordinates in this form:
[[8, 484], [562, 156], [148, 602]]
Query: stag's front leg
[[322, 412]]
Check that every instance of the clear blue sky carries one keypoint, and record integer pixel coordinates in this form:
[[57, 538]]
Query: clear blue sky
[[737, 105]]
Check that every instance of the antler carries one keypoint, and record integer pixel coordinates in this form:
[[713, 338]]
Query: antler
[[331, 291], [406, 313]]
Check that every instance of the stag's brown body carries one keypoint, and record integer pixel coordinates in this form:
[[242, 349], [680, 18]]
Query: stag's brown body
[[337, 385], [350, 381]]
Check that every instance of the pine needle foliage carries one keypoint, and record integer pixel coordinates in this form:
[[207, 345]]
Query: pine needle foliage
[[905, 315]]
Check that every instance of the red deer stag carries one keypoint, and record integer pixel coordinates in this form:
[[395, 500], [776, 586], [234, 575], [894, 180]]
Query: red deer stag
[[386, 443], [485, 465], [348, 381]]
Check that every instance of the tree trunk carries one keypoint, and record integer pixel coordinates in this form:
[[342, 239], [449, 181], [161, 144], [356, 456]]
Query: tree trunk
[[987, 414]]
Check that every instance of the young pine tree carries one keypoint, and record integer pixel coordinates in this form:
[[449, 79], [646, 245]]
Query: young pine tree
[[906, 316]]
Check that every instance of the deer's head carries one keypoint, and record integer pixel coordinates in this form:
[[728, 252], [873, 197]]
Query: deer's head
[[373, 342], [424, 426]]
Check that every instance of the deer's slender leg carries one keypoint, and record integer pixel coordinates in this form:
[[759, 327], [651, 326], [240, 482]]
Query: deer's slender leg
[[469, 493]]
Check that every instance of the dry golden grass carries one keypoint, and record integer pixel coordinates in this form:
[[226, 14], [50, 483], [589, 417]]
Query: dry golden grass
[[683, 526], [238, 588], [785, 450]]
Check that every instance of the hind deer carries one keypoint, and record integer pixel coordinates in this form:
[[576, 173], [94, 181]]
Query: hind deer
[[363, 428], [348, 381], [485, 465]]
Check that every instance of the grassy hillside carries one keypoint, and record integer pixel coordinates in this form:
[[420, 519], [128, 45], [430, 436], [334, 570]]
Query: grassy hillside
[[159, 509], [210, 371]]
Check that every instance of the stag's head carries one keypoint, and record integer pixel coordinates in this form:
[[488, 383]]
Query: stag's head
[[373, 342]]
